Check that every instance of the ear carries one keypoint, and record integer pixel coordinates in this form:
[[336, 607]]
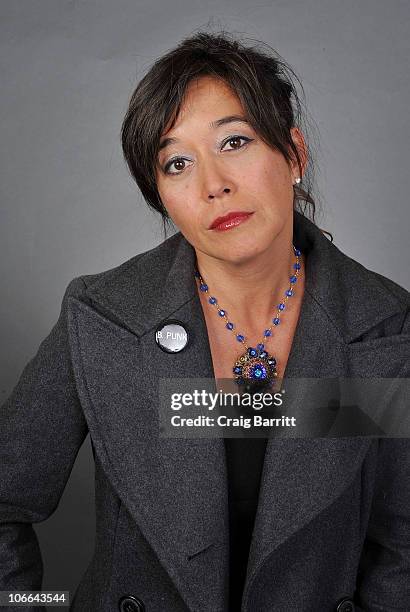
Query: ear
[[301, 146]]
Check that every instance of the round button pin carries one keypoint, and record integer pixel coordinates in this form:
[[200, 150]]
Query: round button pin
[[171, 336]]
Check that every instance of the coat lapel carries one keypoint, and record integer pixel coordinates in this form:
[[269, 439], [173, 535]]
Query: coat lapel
[[176, 489], [303, 476]]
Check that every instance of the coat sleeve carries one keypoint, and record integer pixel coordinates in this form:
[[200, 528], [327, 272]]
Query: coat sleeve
[[41, 430], [384, 571]]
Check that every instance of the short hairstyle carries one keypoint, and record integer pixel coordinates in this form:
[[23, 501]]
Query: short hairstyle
[[259, 77]]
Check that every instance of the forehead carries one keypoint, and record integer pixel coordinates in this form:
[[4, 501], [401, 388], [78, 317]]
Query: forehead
[[206, 99]]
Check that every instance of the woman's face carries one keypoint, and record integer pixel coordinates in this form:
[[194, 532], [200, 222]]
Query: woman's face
[[211, 168]]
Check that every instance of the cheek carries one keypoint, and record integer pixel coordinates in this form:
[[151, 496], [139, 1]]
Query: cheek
[[265, 174], [273, 176], [181, 202], [182, 211], [273, 185], [171, 199]]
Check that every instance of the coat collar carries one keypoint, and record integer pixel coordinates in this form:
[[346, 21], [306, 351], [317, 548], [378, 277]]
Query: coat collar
[[150, 287]]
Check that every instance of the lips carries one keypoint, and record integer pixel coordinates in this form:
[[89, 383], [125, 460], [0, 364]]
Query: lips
[[230, 220]]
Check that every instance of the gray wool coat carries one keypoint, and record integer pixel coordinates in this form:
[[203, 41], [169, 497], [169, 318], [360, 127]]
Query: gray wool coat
[[332, 529]]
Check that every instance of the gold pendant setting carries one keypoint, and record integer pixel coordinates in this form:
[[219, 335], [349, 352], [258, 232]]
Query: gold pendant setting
[[255, 367]]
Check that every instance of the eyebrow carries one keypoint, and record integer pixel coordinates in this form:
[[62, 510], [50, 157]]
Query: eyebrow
[[213, 125]]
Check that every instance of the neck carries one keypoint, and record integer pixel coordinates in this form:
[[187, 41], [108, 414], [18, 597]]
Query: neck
[[251, 290]]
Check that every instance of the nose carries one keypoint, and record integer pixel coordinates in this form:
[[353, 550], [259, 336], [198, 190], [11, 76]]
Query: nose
[[215, 182], [216, 192]]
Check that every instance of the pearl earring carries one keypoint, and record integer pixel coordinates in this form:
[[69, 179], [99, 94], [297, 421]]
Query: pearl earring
[[297, 180]]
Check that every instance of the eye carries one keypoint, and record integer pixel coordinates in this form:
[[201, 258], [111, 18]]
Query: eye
[[236, 138], [182, 160], [177, 161]]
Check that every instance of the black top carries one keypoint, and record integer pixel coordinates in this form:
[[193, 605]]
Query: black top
[[245, 458]]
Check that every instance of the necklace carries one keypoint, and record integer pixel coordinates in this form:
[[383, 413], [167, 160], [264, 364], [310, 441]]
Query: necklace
[[255, 368]]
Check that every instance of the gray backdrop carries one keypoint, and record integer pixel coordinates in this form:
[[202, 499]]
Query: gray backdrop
[[68, 206]]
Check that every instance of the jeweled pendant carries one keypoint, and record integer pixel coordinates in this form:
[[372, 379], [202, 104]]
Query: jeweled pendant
[[256, 368]]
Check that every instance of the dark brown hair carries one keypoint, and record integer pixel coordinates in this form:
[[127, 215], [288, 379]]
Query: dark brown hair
[[256, 73]]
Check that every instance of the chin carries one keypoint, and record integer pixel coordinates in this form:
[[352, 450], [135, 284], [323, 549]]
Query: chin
[[241, 251]]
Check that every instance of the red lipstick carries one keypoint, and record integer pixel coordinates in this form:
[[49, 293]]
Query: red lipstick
[[230, 220]]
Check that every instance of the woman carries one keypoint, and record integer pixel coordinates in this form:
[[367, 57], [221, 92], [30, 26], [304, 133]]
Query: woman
[[211, 136]]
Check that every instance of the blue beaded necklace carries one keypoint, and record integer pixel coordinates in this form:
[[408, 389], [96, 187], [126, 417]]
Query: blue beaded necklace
[[255, 367]]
